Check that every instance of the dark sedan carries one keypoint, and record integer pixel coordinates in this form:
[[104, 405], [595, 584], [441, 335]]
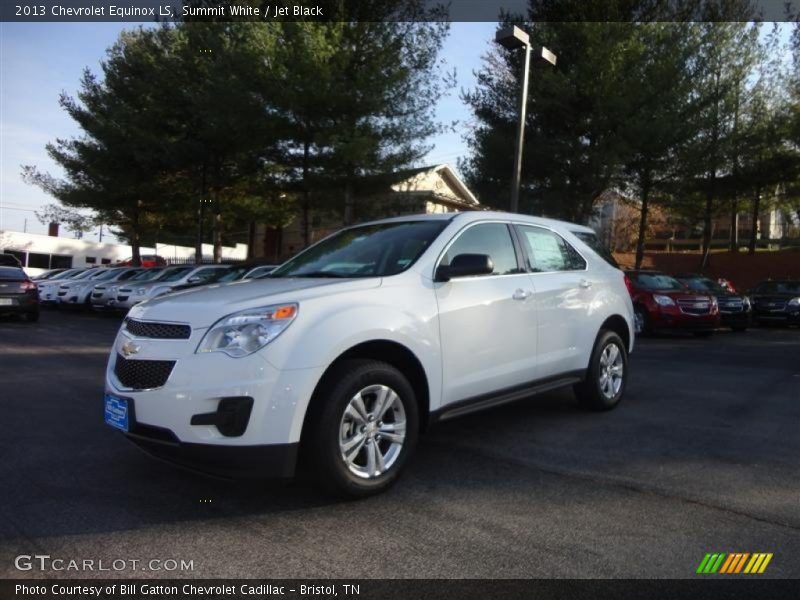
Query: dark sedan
[[777, 302], [734, 309], [18, 294]]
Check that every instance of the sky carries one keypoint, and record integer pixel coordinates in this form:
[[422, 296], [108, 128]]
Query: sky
[[40, 60]]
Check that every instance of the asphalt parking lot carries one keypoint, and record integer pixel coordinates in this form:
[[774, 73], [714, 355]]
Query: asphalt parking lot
[[702, 456]]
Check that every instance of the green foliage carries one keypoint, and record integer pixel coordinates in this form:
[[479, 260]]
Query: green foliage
[[249, 119]]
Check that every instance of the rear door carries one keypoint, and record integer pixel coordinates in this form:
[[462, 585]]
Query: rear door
[[563, 298], [487, 323]]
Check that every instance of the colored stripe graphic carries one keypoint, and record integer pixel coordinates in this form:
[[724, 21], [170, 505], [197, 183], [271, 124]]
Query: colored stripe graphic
[[726, 565], [703, 563], [765, 563], [734, 563]]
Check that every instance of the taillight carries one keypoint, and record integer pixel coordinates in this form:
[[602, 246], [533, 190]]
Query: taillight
[[28, 285]]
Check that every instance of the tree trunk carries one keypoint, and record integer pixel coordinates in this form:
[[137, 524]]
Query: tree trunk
[[707, 221], [645, 189], [305, 218], [198, 246], [751, 249], [349, 204], [136, 254], [251, 239], [734, 241], [217, 229]]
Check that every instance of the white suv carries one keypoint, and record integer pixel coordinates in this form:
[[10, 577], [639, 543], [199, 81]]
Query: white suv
[[345, 353]]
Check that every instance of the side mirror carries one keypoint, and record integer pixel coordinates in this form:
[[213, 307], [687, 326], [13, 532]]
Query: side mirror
[[465, 265]]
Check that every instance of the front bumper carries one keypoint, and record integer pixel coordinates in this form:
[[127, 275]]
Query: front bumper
[[735, 319], [781, 316], [234, 462], [673, 318], [196, 385]]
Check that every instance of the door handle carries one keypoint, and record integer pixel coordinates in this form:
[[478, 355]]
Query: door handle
[[585, 283], [521, 294]]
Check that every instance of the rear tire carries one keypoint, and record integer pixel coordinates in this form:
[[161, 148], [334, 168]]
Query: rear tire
[[607, 374], [363, 425]]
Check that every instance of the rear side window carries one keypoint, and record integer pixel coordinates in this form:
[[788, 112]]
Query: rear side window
[[548, 252], [493, 239]]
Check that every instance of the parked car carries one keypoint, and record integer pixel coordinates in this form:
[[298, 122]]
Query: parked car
[[663, 302], [18, 294], [146, 260], [347, 351], [776, 302], [78, 290], [231, 273], [135, 292], [48, 289], [44, 275], [734, 309], [106, 290], [9, 260]]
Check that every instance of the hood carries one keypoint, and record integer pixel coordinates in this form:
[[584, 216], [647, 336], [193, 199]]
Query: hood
[[202, 307]]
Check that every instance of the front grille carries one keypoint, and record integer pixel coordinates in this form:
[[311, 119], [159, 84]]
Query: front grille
[[694, 307], [731, 307], [122, 298], [142, 374], [162, 331], [772, 305], [97, 294]]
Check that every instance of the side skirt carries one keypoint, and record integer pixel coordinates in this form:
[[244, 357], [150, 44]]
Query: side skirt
[[504, 396]]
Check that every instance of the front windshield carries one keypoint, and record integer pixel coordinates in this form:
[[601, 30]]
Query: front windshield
[[230, 274], [105, 276], [656, 281], [147, 274], [702, 284], [376, 250], [64, 274], [85, 274], [173, 274], [779, 287]]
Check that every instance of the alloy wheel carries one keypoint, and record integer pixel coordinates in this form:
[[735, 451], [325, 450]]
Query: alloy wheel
[[372, 431], [612, 370]]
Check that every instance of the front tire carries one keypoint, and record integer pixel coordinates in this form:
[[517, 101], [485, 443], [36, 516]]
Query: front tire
[[607, 374], [363, 426]]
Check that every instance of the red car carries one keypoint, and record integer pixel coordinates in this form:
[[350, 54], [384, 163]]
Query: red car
[[662, 302], [148, 260]]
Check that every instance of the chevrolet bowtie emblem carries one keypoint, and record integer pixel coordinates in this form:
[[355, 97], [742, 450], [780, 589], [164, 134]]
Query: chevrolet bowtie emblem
[[129, 349]]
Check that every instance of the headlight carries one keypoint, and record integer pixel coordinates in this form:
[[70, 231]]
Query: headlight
[[746, 301], [245, 332], [794, 302], [663, 300], [141, 291]]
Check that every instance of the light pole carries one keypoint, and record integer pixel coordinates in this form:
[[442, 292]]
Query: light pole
[[511, 38]]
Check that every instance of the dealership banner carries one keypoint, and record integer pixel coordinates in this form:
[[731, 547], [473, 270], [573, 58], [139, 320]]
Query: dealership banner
[[387, 589], [357, 10]]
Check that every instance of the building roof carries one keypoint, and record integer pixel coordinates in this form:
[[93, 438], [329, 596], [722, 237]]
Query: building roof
[[440, 181]]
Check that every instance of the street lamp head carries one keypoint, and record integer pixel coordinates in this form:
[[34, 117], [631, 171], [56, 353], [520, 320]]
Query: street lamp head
[[543, 56], [512, 37]]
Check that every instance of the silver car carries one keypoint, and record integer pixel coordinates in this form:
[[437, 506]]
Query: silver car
[[48, 289], [107, 290], [78, 291], [135, 292]]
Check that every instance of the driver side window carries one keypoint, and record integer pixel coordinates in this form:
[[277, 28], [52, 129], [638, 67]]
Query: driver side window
[[493, 239]]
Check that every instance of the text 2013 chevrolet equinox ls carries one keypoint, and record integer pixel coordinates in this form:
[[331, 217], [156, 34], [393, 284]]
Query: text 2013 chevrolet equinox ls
[[347, 351]]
